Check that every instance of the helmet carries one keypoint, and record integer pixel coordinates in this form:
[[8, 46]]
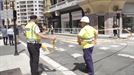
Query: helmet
[[85, 19]]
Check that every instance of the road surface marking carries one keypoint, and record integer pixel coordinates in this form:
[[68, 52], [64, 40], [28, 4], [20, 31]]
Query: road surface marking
[[76, 55], [123, 44], [50, 45], [70, 41], [71, 46], [56, 65], [104, 48], [126, 55], [114, 45]]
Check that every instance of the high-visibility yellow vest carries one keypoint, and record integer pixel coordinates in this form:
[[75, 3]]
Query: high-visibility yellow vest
[[87, 35], [30, 32]]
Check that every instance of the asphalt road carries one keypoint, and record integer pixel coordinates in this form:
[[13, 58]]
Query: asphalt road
[[111, 56]]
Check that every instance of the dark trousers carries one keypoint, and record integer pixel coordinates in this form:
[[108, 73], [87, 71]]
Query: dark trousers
[[33, 49], [116, 33], [10, 39], [5, 40], [88, 60]]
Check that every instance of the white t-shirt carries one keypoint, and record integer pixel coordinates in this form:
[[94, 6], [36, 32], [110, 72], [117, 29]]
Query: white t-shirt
[[37, 30], [10, 31]]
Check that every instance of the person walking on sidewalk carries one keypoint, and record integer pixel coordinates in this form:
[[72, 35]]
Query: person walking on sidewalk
[[10, 33], [87, 39], [33, 35], [52, 29], [115, 30], [4, 35]]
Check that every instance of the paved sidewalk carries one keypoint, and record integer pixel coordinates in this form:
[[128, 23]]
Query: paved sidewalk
[[9, 62]]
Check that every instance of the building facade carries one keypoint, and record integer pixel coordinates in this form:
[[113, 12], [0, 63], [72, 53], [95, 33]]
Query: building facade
[[6, 6], [1, 8], [26, 8], [66, 14]]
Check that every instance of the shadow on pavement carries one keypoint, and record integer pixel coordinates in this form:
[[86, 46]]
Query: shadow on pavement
[[15, 71], [21, 51], [45, 68], [80, 66]]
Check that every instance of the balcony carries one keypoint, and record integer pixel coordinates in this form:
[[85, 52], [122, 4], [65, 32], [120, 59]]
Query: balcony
[[63, 5]]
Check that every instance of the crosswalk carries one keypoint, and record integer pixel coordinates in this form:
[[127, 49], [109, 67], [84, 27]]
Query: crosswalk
[[53, 63]]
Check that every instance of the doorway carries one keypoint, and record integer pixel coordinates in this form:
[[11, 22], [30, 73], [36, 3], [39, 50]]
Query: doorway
[[101, 24]]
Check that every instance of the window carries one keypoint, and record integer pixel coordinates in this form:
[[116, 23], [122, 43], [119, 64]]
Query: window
[[22, 2], [29, 1], [40, 5], [22, 6], [17, 6], [29, 5]]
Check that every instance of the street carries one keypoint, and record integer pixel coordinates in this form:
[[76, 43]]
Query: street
[[111, 56]]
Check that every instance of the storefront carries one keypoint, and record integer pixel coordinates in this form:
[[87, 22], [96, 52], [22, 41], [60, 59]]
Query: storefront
[[65, 23], [70, 21], [76, 16], [128, 19]]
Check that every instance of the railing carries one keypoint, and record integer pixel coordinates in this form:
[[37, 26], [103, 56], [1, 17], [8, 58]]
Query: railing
[[61, 3], [70, 0], [67, 30]]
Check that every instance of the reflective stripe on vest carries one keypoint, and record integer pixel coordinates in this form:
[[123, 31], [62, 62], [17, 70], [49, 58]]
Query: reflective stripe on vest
[[88, 39], [30, 33]]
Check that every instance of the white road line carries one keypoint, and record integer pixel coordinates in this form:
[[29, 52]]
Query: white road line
[[126, 55], [104, 48], [71, 46], [50, 45], [114, 45], [56, 65], [123, 44], [76, 55]]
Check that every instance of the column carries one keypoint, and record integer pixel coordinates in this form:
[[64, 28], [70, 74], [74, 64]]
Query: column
[[109, 24]]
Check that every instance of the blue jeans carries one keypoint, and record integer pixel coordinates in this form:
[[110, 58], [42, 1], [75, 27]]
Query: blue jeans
[[88, 60]]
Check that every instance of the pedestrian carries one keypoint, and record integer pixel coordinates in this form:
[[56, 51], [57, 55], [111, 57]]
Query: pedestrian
[[10, 33], [52, 29], [87, 39], [115, 30], [4, 35], [33, 36]]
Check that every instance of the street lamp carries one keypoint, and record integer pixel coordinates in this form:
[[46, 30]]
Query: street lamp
[[14, 21]]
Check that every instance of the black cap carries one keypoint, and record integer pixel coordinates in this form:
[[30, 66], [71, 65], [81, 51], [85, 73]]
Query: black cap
[[33, 17]]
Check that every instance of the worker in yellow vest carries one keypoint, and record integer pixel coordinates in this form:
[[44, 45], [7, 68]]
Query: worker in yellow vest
[[33, 35], [87, 39]]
